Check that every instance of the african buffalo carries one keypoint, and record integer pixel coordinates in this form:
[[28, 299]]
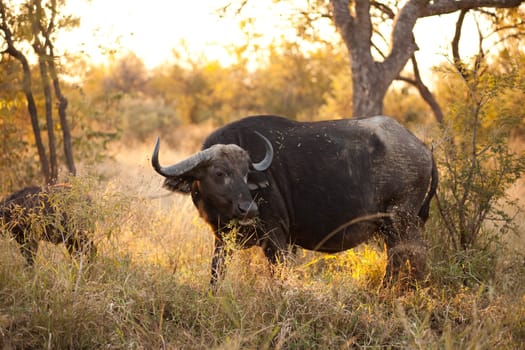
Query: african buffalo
[[325, 186], [55, 214]]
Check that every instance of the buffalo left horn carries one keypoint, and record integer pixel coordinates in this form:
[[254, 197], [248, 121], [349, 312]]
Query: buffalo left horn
[[183, 166]]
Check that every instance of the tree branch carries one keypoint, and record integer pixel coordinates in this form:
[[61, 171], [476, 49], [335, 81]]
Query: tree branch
[[481, 53], [27, 88], [403, 43], [441, 7], [424, 91], [384, 9], [363, 20], [455, 46], [343, 19]]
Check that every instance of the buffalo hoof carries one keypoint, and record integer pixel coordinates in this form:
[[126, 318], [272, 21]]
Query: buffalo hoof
[[406, 264]]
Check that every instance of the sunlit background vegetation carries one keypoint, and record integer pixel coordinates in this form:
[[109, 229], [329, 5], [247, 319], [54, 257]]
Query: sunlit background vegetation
[[148, 287]]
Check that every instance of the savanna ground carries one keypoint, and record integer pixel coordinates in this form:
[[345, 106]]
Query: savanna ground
[[149, 286]]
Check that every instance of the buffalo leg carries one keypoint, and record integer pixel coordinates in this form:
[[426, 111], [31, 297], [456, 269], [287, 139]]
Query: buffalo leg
[[28, 247], [275, 251], [272, 253], [405, 248], [80, 244], [73, 245], [218, 262], [90, 249]]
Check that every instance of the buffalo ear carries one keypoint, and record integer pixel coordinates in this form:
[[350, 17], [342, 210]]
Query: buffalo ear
[[257, 180], [178, 184]]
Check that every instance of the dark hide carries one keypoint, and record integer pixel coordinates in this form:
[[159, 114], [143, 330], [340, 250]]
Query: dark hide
[[331, 186], [34, 213]]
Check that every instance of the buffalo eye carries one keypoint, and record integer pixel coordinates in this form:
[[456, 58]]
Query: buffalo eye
[[219, 173]]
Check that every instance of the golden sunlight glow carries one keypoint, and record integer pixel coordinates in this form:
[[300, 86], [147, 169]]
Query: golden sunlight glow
[[154, 29]]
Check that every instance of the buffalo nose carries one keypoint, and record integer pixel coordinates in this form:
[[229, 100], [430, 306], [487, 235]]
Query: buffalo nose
[[248, 209]]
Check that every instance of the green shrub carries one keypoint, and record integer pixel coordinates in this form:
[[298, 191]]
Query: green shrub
[[477, 165]]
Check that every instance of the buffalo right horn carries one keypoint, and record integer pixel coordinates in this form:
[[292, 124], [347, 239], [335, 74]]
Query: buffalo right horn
[[182, 167], [268, 157]]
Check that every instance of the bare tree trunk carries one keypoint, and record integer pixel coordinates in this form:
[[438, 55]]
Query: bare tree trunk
[[48, 69], [371, 79], [62, 100], [62, 106], [28, 91], [368, 92], [50, 125], [46, 86], [33, 114]]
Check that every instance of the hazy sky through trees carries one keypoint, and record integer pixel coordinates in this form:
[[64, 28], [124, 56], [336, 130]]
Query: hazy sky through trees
[[153, 29]]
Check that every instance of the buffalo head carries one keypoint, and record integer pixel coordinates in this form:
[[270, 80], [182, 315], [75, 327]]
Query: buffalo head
[[219, 181]]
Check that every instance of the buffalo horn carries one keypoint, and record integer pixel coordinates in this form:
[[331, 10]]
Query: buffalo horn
[[182, 167], [267, 161]]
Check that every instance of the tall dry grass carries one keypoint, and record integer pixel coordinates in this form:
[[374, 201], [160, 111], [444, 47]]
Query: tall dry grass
[[148, 287]]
